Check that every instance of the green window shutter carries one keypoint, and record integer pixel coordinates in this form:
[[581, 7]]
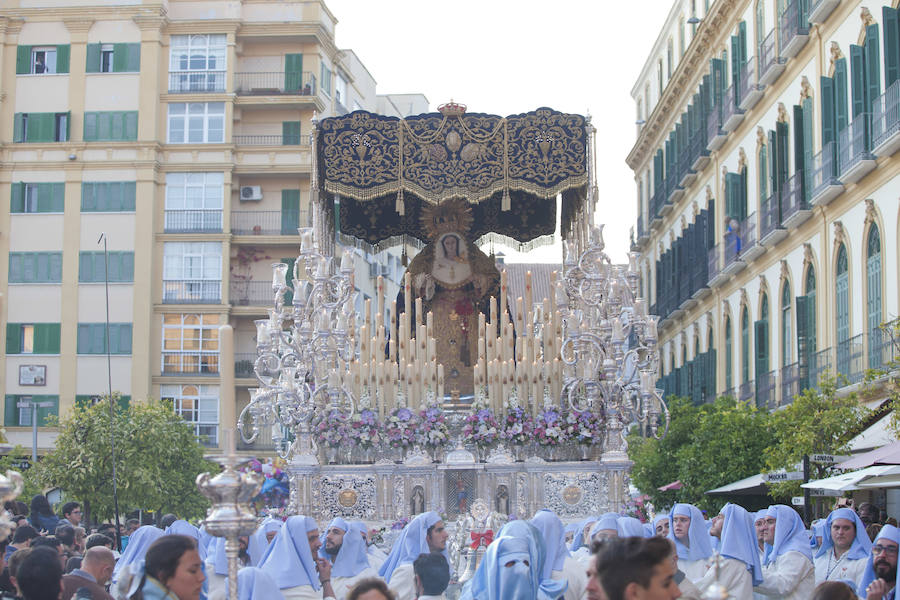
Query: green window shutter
[[88, 196], [68, 126], [742, 194], [23, 60], [127, 267], [62, 59], [16, 268], [19, 127], [51, 197], [290, 211], [84, 338], [782, 132], [293, 72], [44, 412], [46, 338], [828, 132], [134, 58], [10, 410], [289, 296], [55, 273], [17, 198], [803, 353], [122, 339], [800, 149], [774, 184], [45, 127], [840, 95], [290, 133], [858, 79], [85, 267], [131, 126], [120, 58], [873, 67], [92, 62], [761, 333], [13, 338], [735, 64], [891, 45], [91, 128], [128, 196]]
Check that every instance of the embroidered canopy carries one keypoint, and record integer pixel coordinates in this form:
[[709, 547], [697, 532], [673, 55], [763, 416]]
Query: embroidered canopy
[[382, 171]]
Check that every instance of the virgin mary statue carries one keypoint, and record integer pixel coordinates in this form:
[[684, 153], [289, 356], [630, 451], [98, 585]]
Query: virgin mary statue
[[455, 281]]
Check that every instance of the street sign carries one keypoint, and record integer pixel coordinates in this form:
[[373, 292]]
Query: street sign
[[831, 493], [828, 459], [783, 476], [797, 501]]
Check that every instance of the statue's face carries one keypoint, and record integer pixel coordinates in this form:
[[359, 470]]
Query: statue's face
[[451, 246]]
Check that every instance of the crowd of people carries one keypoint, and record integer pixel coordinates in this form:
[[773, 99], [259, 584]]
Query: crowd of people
[[768, 554]]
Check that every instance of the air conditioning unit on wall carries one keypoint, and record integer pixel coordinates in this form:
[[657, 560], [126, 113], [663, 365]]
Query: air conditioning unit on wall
[[251, 193]]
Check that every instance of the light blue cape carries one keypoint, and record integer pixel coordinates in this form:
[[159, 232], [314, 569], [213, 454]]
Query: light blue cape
[[554, 538], [494, 580], [578, 539], [288, 560], [888, 532], [790, 534], [258, 543], [861, 547], [411, 542], [548, 589], [738, 540], [352, 558], [629, 527], [255, 584], [138, 544], [698, 537]]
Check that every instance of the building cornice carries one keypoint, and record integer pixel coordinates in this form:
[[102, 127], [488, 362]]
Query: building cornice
[[11, 25], [75, 13], [203, 26], [684, 81]]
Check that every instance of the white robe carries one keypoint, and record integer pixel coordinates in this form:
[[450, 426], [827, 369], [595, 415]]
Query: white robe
[[693, 569], [829, 569], [688, 590], [573, 573], [403, 582], [376, 556], [733, 574], [791, 577], [216, 582], [343, 585], [302, 592], [582, 555], [762, 561]]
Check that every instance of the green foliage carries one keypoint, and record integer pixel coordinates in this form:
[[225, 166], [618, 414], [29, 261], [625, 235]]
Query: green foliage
[[9, 461], [817, 421], [707, 446], [157, 460], [891, 385]]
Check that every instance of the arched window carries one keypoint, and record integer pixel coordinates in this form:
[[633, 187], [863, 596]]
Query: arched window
[[760, 23], [761, 339], [811, 314], [786, 345], [842, 311], [745, 346], [762, 182], [873, 296], [728, 355]]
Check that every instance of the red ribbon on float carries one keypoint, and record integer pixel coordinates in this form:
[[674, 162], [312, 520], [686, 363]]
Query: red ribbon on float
[[477, 538]]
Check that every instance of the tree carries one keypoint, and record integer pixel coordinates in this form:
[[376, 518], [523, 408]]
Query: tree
[[817, 421], [158, 459], [11, 462]]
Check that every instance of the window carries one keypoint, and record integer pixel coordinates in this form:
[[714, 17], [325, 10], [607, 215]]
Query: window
[[92, 267], [811, 314], [113, 58], [35, 267], [326, 79], [681, 37], [745, 346], [197, 63], [760, 23], [736, 195], [20, 416], [198, 405], [108, 196], [41, 127], [190, 344], [762, 182], [659, 77], [194, 201], [37, 198], [842, 312], [786, 346], [92, 338], [42, 60], [32, 338], [192, 272], [865, 71], [340, 90], [670, 60], [290, 133], [110, 126], [728, 355], [873, 297], [196, 123]]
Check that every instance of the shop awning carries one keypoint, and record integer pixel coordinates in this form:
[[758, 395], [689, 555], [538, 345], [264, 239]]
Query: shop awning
[[848, 482], [750, 486], [886, 455], [675, 485]]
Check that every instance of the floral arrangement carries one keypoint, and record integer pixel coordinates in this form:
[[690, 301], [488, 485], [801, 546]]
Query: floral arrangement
[[433, 429], [518, 427], [548, 428], [365, 430], [400, 428], [333, 430], [582, 427], [638, 507], [399, 523], [275, 492], [481, 427]]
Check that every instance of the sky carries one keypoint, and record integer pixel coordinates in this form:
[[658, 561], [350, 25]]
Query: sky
[[505, 57]]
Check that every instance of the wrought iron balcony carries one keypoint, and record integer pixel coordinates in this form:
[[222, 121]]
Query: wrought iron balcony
[[766, 390], [771, 231], [714, 266], [251, 293], [850, 359], [192, 291], [825, 183], [732, 114], [771, 65], [794, 206], [266, 222], [275, 84], [854, 143], [243, 365], [821, 9], [196, 82], [793, 28], [697, 149], [193, 221], [658, 201], [746, 391], [886, 121], [819, 363], [715, 135], [271, 140], [790, 383], [750, 89], [193, 362]]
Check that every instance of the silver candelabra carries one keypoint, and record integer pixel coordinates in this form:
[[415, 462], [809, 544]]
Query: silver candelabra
[[302, 350]]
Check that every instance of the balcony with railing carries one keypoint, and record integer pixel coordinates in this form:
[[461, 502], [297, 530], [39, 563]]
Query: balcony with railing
[[771, 231], [686, 174], [243, 365], [794, 207], [820, 10], [714, 266], [715, 135], [251, 293], [886, 121], [771, 65], [643, 232], [196, 82], [854, 142], [741, 246], [193, 221], [273, 139], [825, 183], [266, 222], [279, 83], [674, 190], [850, 360], [767, 390], [750, 89], [790, 383], [793, 28], [656, 204], [732, 114], [697, 149], [819, 363], [746, 391], [190, 362], [192, 291], [881, 349]]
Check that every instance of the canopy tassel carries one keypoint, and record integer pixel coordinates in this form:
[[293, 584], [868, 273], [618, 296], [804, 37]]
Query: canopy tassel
[[505, 202], [401, 205]]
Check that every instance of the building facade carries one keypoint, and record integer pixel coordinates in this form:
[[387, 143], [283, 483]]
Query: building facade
[[181, 131], [768, 189]]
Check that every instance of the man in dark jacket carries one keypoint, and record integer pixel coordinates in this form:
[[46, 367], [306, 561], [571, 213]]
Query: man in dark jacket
[[96, 569]]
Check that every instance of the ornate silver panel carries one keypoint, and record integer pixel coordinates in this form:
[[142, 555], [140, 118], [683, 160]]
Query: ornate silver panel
[[576, 494], [347, 496]]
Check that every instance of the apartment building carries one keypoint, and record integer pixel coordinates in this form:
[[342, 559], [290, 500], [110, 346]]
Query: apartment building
[[768, 189], [181, 131]]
